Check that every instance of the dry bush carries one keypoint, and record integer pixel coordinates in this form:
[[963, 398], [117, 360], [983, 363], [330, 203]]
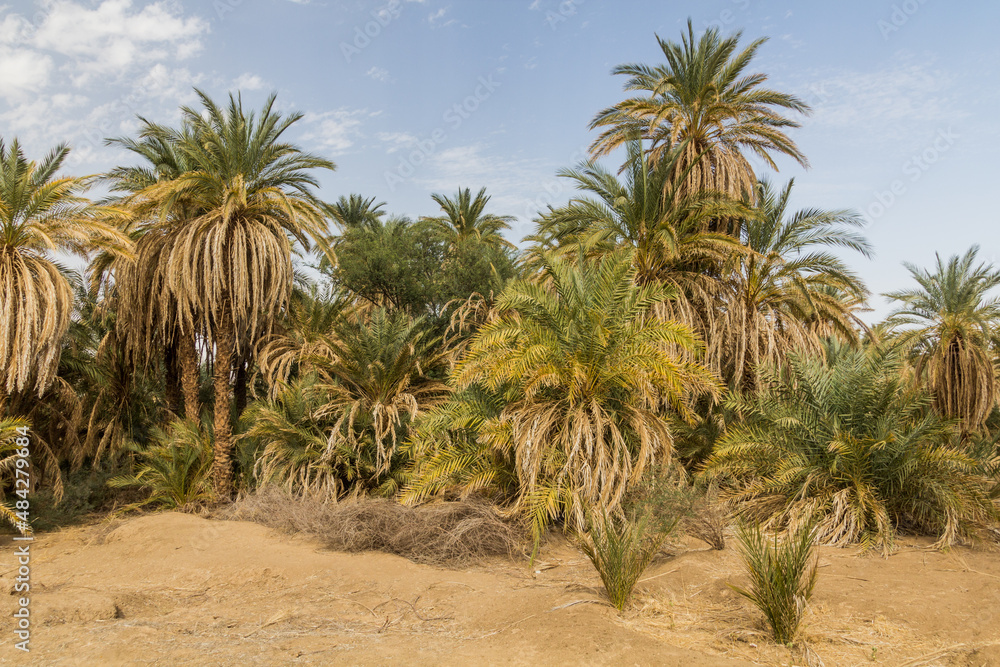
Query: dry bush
[[707, 519], [443, 533]]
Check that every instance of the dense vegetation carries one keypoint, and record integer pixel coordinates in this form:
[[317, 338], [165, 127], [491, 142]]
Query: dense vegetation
[[234, 331]]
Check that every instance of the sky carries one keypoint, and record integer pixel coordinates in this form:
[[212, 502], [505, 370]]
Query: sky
[[414, 97]]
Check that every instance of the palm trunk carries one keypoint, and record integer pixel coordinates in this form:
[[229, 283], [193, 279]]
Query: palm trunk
[[190, 377], [172, 380], [240, 394], [222, 464]]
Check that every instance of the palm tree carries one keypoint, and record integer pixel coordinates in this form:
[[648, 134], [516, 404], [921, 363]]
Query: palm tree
[[356, 211], [786, 290], [846, 441], [339, 422], [147, 309], [40, 214], [646, 213], [230, 268], [590, 379], [950, 320], [464, 219], [703, 96]]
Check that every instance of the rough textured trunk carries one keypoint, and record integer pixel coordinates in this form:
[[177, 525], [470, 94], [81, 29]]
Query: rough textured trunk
[[172, 379], [190, 377], [222, 464], [240, 393]]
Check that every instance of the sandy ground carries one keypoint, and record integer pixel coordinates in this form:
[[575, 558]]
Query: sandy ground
[[175, 589]]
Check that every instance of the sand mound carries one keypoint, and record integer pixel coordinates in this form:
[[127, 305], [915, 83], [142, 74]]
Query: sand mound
[[179, 589]]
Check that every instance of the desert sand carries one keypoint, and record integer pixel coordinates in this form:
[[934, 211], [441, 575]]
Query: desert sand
[[177, 589]]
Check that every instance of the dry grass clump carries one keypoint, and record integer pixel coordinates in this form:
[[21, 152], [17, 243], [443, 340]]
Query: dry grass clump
[[444, 533], [707, 518]]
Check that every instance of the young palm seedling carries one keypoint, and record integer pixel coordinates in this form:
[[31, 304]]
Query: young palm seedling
[[782, 575], [622, 548]]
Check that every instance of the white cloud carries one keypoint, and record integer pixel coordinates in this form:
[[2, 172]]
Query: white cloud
[[248, 81], [432, 18], [396, 140], [112, 36], [883, 104], [378, 73], [333, 130], [22, 71]]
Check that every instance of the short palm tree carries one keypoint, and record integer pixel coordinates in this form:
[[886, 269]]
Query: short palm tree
[[950, 319], [704, 99], [40, 214], [464, 219], [788, 287], [846, 441], [590, 378], [231, 266]]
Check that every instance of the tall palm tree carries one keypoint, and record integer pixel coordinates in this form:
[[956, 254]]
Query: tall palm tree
[[704, 95], [147, 309], [464, 219], [950, 319], [787, 289], [40, 214], [590, 379], [230, 268]]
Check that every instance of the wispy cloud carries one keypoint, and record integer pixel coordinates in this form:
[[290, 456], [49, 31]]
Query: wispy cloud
[[335, 131], [378, 73]]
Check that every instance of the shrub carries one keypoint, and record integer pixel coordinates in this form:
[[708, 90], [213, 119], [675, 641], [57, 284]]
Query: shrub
[[174, 470], [442, 533], [782, 575], [846, 439]]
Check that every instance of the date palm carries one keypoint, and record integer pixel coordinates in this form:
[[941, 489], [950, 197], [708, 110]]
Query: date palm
[[464, 219], [147, 309], [788, 289], [843, 439], [230, 268], [41, 213], [643, 211], [591, 378], [950, 320], [704, 98]]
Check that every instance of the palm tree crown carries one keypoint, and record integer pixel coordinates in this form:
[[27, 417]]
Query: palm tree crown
[[703, 94], [464, 219]]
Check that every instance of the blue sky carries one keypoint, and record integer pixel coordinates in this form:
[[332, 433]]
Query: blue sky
[[411, 97]]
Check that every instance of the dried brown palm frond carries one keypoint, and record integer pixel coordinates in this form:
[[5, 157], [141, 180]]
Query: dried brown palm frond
[[949, 324], [40, 214]]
